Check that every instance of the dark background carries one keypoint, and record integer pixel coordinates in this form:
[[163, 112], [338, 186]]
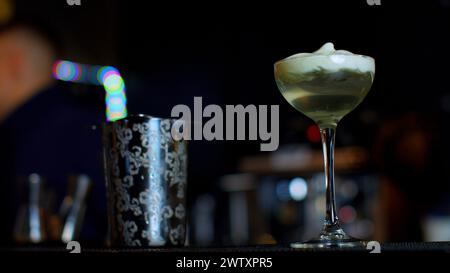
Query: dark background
[[169, 53]]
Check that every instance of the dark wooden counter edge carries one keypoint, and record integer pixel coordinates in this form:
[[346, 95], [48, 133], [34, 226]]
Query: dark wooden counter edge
[[442, 247]]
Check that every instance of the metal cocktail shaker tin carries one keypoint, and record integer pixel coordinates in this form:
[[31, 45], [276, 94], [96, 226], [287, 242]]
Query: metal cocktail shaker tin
[[145, 170]]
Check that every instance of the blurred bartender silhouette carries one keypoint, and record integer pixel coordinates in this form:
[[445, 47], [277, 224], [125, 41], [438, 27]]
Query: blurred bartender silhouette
[[44, 128]]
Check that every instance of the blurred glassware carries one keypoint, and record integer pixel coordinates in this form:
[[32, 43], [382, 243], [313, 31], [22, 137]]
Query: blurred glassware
[[245, 225], [203, 212], [30, 226], [73, 208]]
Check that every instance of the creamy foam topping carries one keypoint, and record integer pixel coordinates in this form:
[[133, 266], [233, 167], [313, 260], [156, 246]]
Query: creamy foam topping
[[329, 59]]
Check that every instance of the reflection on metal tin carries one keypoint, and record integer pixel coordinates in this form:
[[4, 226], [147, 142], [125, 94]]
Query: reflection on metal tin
[[146, 173]]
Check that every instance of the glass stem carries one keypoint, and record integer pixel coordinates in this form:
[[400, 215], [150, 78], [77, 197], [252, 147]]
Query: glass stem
[[328, 136]]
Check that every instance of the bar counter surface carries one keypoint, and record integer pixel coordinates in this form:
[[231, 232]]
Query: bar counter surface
[[430, 247]]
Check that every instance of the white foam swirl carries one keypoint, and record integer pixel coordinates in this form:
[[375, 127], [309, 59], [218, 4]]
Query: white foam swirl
[[329, 59]]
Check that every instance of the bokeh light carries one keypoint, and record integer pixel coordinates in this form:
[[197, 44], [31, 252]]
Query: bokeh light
[[107, 76], [67, 71], [298, 189], [106, 71], [313, 134], [114, 83]]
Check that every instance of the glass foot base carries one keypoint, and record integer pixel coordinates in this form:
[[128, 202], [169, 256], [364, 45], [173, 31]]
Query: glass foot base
[[317, 243], [332, 237]]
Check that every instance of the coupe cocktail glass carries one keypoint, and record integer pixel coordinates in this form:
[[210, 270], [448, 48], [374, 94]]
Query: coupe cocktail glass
[[325, 86]]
